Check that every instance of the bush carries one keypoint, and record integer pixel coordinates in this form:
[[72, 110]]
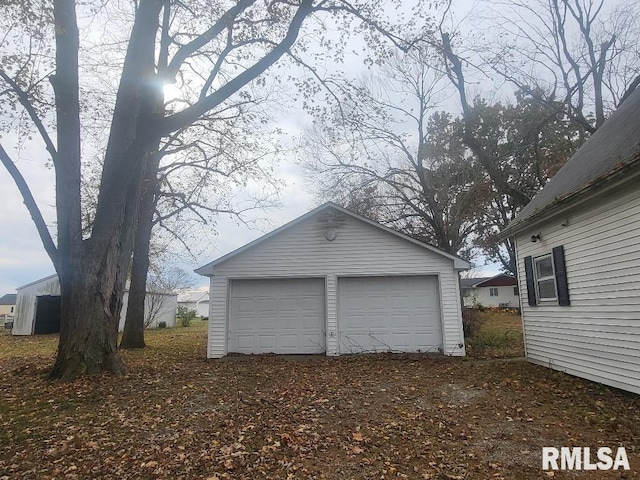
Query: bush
[[185, 316], [162, 324], [471, 322]]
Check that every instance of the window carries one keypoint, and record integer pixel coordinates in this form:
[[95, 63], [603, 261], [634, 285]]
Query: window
[[516, 291], [547, 278], [466, 292], [493, 291], [11, 309]]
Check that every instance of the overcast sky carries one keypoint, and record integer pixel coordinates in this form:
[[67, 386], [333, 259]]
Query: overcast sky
[[23, 259]]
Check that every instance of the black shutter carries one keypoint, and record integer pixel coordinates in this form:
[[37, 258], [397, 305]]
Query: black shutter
[[531, 282], [561, 276]]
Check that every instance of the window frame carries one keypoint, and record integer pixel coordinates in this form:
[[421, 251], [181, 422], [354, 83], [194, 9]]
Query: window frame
[[538, 279], [493, 289]]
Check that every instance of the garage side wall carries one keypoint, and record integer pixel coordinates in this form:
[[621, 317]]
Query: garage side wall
[[359, 249], [598, 336], [26, 303]]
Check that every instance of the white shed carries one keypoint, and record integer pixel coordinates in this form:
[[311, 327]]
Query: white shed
[[578, 250], [197, 300], [334, 282], [38, 308]]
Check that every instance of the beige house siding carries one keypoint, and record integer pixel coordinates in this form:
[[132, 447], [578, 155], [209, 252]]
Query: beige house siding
[[598, 336], [360, 249], [482, 296]]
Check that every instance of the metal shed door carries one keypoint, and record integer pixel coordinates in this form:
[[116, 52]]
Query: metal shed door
[[277, 316], [380, 314]]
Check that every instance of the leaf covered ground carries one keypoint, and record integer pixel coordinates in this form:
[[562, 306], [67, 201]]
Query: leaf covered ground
[[180, 416]]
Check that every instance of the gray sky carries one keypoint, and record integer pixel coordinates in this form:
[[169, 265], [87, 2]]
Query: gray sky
[[23, 259]]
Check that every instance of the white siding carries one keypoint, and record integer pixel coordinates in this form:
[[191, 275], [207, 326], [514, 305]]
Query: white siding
[[598, 336], [217, 341], [332, 315], [359, 249], [484, 298], [164, 305]]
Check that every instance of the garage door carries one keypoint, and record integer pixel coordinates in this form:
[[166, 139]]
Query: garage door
[[378, 314], [277, 316]]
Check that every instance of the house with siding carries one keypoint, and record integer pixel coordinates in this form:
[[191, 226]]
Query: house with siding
[[196, 300], [333, 282], [8, 304], [498, 291], [578, 251], [7, 310]]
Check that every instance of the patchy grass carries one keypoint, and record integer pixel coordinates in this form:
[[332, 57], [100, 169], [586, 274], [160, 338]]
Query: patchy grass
[[180, 416], [499, 335]]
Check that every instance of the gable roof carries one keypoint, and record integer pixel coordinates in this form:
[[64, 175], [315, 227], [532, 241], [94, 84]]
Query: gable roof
[[55, 275], [8, 299], [458, 263], [192, 296], [126, 288], [611, 153], [499, 280], [472, 282]]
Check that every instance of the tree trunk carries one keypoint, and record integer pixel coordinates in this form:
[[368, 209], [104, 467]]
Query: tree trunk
[[87, 343], [133, 335]]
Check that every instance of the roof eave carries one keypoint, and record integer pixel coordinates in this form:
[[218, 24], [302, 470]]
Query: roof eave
[[627, 173]]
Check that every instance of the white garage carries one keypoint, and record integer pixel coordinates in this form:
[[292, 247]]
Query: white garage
[[334, 282]]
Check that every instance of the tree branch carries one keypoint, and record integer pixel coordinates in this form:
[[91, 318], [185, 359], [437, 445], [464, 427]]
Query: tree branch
[[32, 206], [195, 111], [23, 97]]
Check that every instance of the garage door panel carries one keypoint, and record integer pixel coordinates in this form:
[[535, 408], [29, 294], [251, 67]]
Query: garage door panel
[[277, 316], [389, 313]]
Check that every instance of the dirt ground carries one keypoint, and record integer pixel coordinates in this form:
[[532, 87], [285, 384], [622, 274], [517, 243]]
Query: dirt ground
[[178, 415]]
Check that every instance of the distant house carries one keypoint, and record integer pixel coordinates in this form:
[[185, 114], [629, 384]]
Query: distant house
[[334, 282], [7, 308], [197, 300], [578, 249], [498, 291], [7, 304], [38, 308]]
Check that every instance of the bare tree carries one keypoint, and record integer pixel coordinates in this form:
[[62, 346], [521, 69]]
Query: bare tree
[[578, 56], [163, 282], [219, 49], [386, 145], [192, 183]]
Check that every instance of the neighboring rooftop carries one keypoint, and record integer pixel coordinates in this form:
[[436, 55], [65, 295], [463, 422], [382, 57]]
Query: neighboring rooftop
[[500, 280], [8, 299], [612, 151], [192, 296], [472, 282]]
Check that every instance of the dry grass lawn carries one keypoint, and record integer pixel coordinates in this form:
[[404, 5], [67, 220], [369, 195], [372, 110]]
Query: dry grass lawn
[[180, 416], [499, 336]]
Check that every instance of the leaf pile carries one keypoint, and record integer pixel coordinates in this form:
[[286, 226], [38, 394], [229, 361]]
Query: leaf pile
[[180, 416]]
